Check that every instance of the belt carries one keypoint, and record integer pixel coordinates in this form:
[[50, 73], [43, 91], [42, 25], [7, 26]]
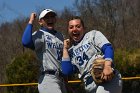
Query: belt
[[52, 72]]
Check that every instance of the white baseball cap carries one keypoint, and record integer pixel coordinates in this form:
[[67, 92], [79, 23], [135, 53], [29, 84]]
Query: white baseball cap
[[46, 11]]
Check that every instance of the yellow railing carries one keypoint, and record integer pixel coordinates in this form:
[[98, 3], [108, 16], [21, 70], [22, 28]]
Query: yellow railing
[[127, 78], [74, 81]]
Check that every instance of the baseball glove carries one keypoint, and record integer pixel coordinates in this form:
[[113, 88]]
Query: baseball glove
[[97, 70]]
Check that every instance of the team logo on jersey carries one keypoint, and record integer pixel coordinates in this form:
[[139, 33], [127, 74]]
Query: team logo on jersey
[[48, 38], [54, 45], [50, 43], [82, 48]]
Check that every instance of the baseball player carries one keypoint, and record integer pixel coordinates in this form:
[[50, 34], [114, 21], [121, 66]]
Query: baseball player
[[48, 45], [85, 47]]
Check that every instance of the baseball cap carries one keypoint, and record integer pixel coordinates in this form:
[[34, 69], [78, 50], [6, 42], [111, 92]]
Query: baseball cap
[[46, 11]]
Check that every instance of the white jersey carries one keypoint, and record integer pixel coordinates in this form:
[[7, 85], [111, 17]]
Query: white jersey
[[83, 53], [48, 48]]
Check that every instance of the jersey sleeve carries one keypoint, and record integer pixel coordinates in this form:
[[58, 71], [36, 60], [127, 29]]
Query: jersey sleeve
[[67, 67], [100, 39], [38, 40], [108, 52], [27, 37], [102, 42]]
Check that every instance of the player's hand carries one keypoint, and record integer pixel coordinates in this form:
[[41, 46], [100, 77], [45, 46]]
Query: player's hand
[[65, 48], [107, 72], [66, 43], [32, 17]]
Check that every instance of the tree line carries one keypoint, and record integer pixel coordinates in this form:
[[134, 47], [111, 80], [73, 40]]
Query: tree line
[[119, 20]]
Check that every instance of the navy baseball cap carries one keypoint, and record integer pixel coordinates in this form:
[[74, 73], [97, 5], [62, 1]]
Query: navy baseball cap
[[46, 11]]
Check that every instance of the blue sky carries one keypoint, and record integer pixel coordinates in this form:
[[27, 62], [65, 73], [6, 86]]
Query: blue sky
[[12, 9]]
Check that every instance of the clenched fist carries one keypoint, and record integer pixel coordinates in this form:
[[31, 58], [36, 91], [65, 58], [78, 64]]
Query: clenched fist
[[32, 17], [66, 43]]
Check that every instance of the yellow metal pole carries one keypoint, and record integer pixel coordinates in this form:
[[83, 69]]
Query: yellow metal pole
[[74, 81]]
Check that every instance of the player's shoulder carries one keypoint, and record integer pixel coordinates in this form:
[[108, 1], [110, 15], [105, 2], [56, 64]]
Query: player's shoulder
[[94, 31], [60, 35], [37, 34], [91, 33]]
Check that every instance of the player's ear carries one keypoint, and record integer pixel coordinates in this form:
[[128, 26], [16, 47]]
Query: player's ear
[[40, 22]]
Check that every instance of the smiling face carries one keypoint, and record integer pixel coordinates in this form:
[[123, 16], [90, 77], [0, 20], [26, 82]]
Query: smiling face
[[48, 21], [75, 29]]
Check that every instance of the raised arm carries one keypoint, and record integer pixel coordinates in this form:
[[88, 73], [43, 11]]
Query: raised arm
[[67, 67], [27, 35]]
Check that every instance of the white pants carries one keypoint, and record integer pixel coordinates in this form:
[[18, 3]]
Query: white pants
[[51, 84]]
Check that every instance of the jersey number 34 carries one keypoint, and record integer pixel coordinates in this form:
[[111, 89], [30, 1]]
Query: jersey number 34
[[81, 59]]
